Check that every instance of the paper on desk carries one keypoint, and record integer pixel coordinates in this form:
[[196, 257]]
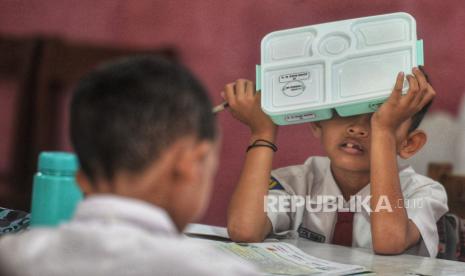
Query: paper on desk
[[279, 258], [206, 230], [276, 258]]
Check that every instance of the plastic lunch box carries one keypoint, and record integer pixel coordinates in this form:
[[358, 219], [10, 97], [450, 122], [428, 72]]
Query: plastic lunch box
[[349, 66]]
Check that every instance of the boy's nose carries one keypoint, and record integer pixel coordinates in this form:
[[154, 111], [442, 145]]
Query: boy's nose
[[360, 126], [357, 131]]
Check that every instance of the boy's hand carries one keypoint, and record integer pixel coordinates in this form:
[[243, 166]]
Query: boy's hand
[[398, 108], [244, 105]]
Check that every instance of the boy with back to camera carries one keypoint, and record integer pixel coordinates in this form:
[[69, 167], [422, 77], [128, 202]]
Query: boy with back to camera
[[361, 166], [147, 142]]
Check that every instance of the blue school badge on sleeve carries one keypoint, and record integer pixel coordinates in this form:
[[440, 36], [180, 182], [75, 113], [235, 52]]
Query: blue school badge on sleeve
[[274, 184]]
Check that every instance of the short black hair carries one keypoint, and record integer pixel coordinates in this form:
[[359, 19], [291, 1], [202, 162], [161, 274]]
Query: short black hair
[[418, 117], [124, 113]]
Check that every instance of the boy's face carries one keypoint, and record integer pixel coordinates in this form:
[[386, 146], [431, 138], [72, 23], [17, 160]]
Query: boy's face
[[347, 140], [201, 194], [189, 199]]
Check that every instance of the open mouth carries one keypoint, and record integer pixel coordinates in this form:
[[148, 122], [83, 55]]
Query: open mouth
[[352, 147]]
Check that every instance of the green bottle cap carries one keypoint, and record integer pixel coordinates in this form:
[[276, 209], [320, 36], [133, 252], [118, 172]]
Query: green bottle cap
[[56, 162]]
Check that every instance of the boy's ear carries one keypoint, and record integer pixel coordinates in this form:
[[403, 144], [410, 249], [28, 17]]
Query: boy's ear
[[84, 182], [316, 129], [190, 160], [414, 142]]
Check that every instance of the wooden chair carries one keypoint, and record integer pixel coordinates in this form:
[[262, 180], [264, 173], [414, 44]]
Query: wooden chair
[[57, 67], [451, 227], [454, 185]]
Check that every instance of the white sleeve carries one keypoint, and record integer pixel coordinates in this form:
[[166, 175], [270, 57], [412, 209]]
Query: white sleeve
[[424, 206], [281, 221], [287, 186], [279, 205]]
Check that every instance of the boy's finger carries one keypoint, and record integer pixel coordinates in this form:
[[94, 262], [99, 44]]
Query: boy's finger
[[249, 88], [418, 99], [422, 83], [240, 89], [258, 97], [397, 90], [229, 94], [429, 96], [422, 86], [413, 89], [431, 90], [230, 87]]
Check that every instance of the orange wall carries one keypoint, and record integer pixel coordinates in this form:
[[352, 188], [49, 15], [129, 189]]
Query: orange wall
[[219, 41]]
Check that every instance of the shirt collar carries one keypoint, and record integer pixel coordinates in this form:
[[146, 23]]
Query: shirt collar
[[138, 213]]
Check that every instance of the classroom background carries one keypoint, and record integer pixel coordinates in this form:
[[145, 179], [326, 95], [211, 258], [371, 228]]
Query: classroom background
[[220, 42]]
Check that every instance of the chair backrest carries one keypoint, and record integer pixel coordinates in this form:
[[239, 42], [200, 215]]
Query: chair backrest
[[454, 185]]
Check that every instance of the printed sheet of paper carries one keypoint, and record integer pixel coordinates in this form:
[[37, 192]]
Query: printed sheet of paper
[[272, 258], [279, 258]]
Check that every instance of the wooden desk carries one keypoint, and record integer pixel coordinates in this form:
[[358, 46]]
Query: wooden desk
[[381, 265]]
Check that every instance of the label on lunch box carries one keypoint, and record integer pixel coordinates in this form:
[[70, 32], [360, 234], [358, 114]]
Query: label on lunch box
[[294, 77]]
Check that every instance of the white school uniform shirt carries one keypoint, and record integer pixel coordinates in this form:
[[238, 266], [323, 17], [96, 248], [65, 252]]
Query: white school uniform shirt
[[425, 198], [112, 235]]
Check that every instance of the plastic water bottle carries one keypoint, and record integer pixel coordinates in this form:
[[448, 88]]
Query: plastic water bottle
[[55, 191]]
